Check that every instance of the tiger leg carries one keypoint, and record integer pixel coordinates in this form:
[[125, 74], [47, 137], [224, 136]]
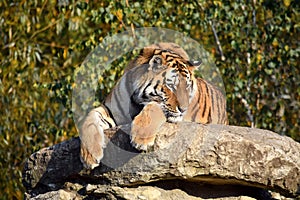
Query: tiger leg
[[92, 136], [145, 126]]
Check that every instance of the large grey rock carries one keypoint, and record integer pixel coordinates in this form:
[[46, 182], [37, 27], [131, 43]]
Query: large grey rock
[[185, 156]]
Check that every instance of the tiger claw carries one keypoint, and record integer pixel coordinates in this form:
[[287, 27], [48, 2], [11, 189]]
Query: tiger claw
[[88, 160], [142, 145]]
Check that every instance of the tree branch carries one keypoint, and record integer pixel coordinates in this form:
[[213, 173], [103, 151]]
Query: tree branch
[[212, 25], [217, 40]]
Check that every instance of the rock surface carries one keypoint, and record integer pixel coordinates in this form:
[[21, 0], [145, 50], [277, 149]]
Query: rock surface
[[188, 161]]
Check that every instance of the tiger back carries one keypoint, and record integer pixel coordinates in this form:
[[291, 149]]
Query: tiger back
[[208, 106]]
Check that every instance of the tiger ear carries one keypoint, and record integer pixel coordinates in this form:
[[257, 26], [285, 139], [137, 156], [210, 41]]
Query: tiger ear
[[195, 64], [156, 64], [145, 55]]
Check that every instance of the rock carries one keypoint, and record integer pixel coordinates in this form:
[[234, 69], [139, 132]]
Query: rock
[[190, 160], [147, 193], [57, 195]]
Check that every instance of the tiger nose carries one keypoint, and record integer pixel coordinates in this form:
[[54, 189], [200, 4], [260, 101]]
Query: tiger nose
[[181, 109]]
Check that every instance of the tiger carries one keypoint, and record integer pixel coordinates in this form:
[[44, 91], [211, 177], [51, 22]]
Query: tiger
[[158, 86]]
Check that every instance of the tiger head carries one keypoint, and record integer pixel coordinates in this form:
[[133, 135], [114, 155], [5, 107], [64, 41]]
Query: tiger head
[[167, 78]]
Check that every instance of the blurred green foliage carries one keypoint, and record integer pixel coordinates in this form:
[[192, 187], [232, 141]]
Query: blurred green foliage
[[43, 42]]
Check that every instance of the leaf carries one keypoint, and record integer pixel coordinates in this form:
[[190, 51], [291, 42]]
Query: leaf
[[119, 14], [286, 3]]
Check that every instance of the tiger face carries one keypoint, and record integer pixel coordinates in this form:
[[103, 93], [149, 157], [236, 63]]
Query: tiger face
[[168, 80]]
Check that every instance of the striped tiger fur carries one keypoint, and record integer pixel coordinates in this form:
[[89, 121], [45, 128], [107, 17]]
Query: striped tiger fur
[[158, 86]]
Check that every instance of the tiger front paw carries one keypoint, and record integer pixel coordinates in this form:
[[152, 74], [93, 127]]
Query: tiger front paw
[[88, 159], [145, 126], [92, 142]]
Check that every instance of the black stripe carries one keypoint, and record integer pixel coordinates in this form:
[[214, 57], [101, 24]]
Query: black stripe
[[111, 116], [212, 96], [170, 60], [158, 53], [103, 120], [196, 108], [203, 112], [218, 103], [209, 116], [206, 93], [155, 88], [144, 91]]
